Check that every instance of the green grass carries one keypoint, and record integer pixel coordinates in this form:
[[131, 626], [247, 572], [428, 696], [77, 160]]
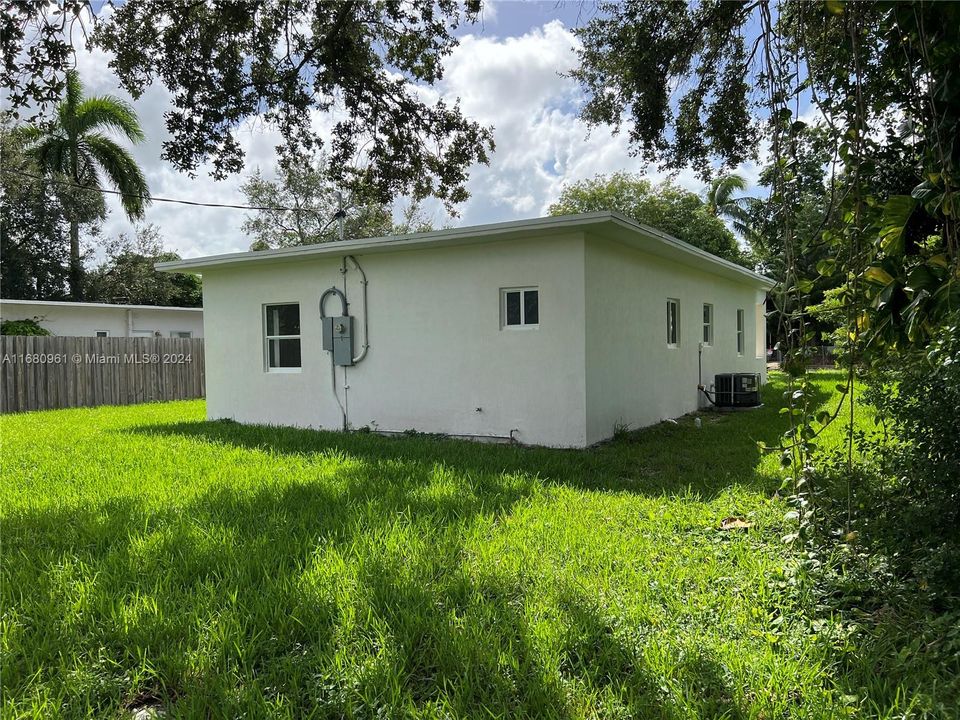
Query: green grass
[[229, 571]]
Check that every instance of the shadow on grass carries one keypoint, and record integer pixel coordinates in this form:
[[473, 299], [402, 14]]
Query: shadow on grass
[[354, 594], [663, 459], [327, 599]]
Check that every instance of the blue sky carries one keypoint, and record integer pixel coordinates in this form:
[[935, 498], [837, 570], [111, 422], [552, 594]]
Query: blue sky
[[507, 72], [512, 18]]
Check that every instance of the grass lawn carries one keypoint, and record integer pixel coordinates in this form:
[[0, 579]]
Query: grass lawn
[[236, 571]]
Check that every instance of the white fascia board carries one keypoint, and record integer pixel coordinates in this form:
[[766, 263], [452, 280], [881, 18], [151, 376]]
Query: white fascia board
[[114, 306], [607, 224]]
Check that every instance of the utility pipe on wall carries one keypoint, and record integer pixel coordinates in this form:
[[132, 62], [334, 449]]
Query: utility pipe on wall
[[363, 284], [345, 404], [700, 387]]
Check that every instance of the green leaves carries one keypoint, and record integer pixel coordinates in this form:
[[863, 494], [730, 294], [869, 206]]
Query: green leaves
[[834, 7], [632, 59], [128, 271], [287, 63], [71, 148], [665, 207], [827, 267], [877, 275], [896, 214]]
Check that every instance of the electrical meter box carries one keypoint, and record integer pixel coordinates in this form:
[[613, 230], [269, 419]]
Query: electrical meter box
[[337, 330], [338, 338]]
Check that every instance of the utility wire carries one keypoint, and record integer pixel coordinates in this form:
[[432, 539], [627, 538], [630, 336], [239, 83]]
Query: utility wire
[[68, 183]]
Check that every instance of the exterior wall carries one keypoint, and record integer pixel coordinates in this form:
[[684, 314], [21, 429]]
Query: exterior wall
[[84, 320], [632, 377], [438, 361]]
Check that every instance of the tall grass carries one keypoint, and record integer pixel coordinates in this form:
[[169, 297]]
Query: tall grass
[[228, 571]]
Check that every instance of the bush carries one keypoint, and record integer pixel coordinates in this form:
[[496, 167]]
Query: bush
[[22, 327], [917, 507]]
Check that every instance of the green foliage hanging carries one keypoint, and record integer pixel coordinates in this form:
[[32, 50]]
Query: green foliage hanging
[[29, 326]]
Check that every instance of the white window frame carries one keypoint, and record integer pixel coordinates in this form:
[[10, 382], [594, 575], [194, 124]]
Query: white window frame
[[673, 340], [182, 334], [760, 330], [708, 325], [741, 332], [268, 338], [523, 310], [106, 333]]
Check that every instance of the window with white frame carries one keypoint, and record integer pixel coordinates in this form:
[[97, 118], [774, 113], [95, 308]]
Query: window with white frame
[[101, 333], [741, 332], [282, 337], [673, 322], [707, 324], [519, 307], [181, 333]]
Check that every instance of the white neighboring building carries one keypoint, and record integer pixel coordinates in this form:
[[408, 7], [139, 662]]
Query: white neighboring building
[[79, 319], [551, 331]]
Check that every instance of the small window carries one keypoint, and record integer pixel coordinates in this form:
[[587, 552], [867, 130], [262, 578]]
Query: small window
[[673, 322], [741, 338], [707, 324], [181, 334], [282, 337], [521, 307], [102, 333]]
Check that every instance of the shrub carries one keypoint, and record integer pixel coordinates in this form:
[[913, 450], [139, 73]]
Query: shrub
[[917, 508], [22, 327]]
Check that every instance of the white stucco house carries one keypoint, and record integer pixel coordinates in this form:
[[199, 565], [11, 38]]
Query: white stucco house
[[80, 319], [550, 331]]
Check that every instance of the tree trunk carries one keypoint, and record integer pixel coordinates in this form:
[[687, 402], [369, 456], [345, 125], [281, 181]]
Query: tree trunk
[[76, 267]]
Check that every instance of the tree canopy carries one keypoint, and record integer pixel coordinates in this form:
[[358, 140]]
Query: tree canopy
[[303, 204], [633, 54], [35, 225], [665, 207], [282, 62], [128, 276], [77, 154], [722, 204], [699, 84]]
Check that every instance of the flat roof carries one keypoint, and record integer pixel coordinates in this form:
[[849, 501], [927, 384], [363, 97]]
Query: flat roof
[[607, 224], [115, 306]]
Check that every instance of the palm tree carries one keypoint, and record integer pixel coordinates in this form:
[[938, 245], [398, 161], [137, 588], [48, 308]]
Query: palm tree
[[722, 204], [73, 148]]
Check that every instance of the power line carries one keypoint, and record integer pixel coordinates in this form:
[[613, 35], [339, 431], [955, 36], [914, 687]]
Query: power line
[[195, 203]]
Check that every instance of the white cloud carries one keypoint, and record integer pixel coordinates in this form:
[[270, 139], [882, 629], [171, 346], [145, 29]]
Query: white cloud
[[516, 84]]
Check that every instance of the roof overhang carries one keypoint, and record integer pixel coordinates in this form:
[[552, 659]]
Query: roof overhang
[[609, 225], [111, 306]]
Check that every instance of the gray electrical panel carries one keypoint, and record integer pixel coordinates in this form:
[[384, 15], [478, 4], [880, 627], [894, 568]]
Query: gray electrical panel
[[338, 338], [337, 330]]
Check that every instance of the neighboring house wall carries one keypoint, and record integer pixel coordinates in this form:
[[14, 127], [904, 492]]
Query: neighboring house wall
[[633, 378], [439, 360], [84, 320]]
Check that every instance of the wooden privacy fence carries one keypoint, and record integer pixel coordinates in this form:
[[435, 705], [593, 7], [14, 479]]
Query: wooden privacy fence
[[43, 373]]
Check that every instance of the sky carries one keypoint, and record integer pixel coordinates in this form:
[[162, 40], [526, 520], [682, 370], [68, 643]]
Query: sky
[[507, 72]]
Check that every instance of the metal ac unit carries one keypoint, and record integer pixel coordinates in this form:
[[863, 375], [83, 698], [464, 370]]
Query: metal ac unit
[[737, 390]]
